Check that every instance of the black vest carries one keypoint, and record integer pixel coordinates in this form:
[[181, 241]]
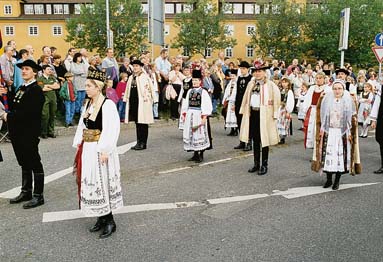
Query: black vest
[[97, 124]]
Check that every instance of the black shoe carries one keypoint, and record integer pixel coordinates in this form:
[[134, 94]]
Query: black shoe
[[109, 229], [231, 134], [328, 181], [335, 186], [248, 147], [139, 147], [52, 135], [379, 171], [254, 169], [99, 225], [262, 171], [44, 136], [281, 142], [235, 133], [34, 202], [240, 146], [194, 158], [24, 196]]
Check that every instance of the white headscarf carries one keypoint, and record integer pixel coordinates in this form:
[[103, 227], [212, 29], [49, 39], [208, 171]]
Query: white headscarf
[[345, 102]]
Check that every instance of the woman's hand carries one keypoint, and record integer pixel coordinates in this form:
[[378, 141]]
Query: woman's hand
[[103, 158], [373, 124]]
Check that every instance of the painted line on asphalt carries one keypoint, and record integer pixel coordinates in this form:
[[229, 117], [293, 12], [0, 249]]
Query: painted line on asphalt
[[203, 164], [15, 191], [291, 193]]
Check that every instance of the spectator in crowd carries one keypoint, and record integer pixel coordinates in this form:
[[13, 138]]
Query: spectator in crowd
[[79, 70], [68, 94], [18, 78], [163, 67], [31, 51], [69, 58], [125, 68], [7, 63], [110, 67], [15, 54], [120, 91]]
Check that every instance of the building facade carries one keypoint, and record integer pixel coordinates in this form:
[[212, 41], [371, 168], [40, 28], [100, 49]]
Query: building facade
[[42, 23]]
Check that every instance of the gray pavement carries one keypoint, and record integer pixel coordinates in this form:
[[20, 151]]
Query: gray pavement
[[346, 225]]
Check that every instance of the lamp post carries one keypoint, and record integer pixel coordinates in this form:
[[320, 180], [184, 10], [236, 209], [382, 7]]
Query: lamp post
[[108, 35]]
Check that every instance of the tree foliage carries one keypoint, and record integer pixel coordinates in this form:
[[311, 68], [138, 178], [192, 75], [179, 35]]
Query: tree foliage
[[314, 31], [127, 22], [201, 28]]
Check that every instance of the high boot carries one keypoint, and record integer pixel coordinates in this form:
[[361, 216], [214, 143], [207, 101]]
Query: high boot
[[195, 156], [336, 182], [38, 197], [248, 147], [110, 226], [329, 181], [235, 131], [255, 168], [241, 145], [232, 132], [201, 156], [100, 223], [263, 169], [26, 188]]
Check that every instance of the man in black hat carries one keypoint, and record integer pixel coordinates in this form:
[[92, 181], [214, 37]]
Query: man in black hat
[[242, 82], [24, 124], [377, 122]]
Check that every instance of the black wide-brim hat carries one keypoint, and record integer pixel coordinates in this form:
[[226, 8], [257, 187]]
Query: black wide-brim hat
[[29, 63], [244, 64], [137, 62], [344, 70], [197, 74]]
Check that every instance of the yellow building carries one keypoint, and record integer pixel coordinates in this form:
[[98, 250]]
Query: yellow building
[[42, 23]]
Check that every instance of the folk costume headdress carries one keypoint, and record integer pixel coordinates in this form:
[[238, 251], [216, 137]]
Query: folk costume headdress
[[99, 78]]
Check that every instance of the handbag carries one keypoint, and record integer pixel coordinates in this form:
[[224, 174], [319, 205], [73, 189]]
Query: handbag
[[170, 93]]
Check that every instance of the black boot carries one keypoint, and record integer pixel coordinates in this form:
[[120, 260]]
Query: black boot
[[379, 171], [255, 168], [110, 226], [240, 146], [139, 146], [201, 156], [23, 196], [336, 182], [263, 169], [282, 141], [100, 223], [232, 132], [235, 131], [248, 147], [37, 200], [329, 181], [195, 157]]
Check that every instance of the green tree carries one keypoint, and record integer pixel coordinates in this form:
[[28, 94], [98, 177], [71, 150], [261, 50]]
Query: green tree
[[279, 31], [201, 28], [323, 26], [127, 22]]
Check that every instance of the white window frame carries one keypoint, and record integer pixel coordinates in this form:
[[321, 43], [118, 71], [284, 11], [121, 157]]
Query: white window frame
[[31, 27], [9, 30], [228, 8], [249, 49], [48, 8], [249, 29], [38, 9], [178, 8], [185, 51], [249, 9], [57, 28], [229, 51], [166, 29], [169, 8], [58, 9], [257, 9], [29, 10], [66, 9], [230, 30], [237, 8], [208, 52], [8, 9], [77, 9], [266, 9], [187, 8], [145, 8]]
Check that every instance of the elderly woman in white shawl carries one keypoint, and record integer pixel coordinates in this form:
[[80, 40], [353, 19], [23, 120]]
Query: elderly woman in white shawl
[[335, 153]]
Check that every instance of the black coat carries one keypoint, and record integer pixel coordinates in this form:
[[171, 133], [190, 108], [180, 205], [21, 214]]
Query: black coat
[[379, 125], [24, 118]]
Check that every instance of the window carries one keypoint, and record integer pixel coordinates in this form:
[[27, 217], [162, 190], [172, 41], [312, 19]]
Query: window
[[250, 29], [237, 9], [186, 51], [57, 30], [66, 9], [266, 9], [249, 9], [58, 9], [28, 9], [9, 30], [7, 9], [188, 8], [257, 9], [229, 51], [275, 9], [145, 8], [49, 9], [33, 30], [208, 52], [227, 8], [249, 51], [229, 30], [178, 8], [39, 9], [77, 9], [166, 29], [169, 8]]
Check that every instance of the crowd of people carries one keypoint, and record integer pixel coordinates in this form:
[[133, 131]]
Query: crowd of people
[[258, 101]]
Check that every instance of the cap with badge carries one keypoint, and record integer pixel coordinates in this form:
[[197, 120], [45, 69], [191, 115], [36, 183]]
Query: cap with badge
[[96, 75]]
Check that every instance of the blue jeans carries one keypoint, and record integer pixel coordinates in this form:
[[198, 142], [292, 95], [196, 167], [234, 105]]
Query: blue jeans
[[69, 111], [121, 109], [79, 100]]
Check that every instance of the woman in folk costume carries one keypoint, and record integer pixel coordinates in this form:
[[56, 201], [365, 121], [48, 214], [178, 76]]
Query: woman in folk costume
[[337, 151], [259, 110], [186, 86], [365, 104], [228, 102], [309, 107], [198, 107], [285, 110], [139, 98], [301, 100], [97, 164]]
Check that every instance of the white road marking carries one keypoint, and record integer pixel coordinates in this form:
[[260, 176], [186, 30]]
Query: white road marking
[[174, 170], [216, 161], [15, 191], [289, 194]]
